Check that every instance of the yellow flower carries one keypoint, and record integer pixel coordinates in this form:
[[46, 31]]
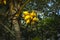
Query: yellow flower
[[27, 21], [27, 17], [4, 2]]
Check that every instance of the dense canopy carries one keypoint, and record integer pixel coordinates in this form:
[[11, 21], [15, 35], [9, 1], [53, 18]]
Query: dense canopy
[[29, 19]]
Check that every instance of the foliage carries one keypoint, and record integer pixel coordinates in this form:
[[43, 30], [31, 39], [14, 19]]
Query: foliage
[[45, 17]]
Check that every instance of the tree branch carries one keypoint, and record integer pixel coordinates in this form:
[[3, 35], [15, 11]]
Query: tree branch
[[7, 29]]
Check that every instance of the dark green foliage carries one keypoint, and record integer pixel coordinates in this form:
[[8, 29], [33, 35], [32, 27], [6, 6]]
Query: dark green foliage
[[47, 27]]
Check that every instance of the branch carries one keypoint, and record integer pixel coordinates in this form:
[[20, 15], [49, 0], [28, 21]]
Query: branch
[[7, 29], [24, 4], [20, 9]]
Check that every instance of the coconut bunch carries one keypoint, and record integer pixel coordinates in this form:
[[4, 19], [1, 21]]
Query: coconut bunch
[[3, 2], [30, 17]]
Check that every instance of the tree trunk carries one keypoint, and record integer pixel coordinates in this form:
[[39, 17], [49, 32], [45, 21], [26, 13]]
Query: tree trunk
[[15, 21], [17, 29]]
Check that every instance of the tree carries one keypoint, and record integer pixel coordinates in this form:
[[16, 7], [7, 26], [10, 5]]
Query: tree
[[48, 12]]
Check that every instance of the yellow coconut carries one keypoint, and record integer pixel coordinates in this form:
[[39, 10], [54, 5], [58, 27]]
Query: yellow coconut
[[31, 17], [26, 13], [27, 21], [33, 14], [35, 19], [27, 17], [4, 2]]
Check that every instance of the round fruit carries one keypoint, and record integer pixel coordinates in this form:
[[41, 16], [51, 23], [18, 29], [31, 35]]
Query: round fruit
[[26, 13], [33, 14], [27, 17], [4, 2], [35, 19], [27, 21], [31, 17]]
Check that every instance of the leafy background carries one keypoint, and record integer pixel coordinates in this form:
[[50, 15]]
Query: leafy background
[[48, 12]]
